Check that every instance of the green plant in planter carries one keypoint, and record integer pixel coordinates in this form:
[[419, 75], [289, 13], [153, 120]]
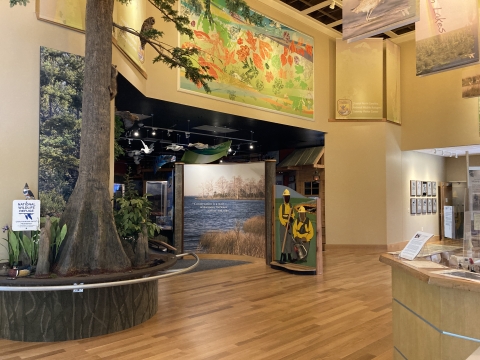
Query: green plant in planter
[[29, 245], [132, 211], [13, 246], [57, 235]]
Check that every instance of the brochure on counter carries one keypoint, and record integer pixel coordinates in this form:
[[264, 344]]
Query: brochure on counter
[[416, 243]]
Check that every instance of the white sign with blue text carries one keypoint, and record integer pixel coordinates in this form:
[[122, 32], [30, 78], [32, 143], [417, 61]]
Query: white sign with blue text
[[26, 215]]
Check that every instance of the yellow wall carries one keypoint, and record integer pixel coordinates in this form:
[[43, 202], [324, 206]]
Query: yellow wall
[[456, 169]]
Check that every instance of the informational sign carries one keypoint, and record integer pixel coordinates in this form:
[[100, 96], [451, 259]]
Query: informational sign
[[415, 244], [448, 221], [359, 75], [26, 215]]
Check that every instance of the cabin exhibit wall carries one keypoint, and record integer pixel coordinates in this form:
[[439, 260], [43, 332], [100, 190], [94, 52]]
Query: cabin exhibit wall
[[364, 160]]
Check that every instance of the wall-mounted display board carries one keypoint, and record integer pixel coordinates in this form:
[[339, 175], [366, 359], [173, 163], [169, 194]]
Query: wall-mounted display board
[[362, 19], [419, 188], [419, 206], [359, 75], [413, 206], [224, 209], [446, 35], [267, 64], [471, 81], [71, 14], [413, 187]]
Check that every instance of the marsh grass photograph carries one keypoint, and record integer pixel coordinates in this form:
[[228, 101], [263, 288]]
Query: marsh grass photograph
[[446, 35], [471, 82], [364, 18]]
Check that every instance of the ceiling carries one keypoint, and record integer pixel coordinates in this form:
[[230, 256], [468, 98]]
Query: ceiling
[[331, 16], [204, 126]]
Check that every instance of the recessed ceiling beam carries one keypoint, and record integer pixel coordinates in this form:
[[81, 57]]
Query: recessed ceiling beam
[[333, 24], [321, 6]]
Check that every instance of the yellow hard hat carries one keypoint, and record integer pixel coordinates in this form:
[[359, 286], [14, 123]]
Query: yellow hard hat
[[301, 209], [286, 192]]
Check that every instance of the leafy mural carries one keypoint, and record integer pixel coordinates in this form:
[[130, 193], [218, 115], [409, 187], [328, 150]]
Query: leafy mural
[[254, 60]]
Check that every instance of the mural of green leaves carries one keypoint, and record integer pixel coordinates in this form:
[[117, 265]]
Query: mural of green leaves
[[255, 60]]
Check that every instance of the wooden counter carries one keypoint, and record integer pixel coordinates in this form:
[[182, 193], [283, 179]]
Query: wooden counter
[[434, 316]]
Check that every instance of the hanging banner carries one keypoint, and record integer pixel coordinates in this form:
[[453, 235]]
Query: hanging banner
[[393, 81], [359, 75], [365, 18], [446, 35], [206, 156]]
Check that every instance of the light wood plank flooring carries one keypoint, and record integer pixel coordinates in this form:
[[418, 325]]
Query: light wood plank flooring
[[253, 312]]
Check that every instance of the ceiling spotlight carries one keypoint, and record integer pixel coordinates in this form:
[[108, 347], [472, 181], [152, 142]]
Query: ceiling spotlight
[[129, 141], [238, 147], [221, 161], [229, 150], [154, 132], [332, 5], [441, 152], [135, 133], [451, 154], [251, 145], [169, 132], [234, 153], [434, 151], [456, 156], [187, 135]]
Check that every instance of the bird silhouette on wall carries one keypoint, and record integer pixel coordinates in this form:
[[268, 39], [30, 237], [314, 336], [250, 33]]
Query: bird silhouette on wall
[[146, 149], [146, 26], [28, 193], [366, 6]]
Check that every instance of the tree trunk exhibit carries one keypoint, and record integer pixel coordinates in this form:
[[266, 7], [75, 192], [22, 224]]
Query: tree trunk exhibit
[[43, 264], [65, 315], [92, 244]]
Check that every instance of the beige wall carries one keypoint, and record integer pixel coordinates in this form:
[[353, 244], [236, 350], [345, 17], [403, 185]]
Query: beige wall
[[425, 167], [434, 115], [456, 169]]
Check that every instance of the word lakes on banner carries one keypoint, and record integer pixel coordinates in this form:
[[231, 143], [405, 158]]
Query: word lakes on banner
[[26, 215]]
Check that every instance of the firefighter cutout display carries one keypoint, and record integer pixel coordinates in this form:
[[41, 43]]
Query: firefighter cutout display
[[295, 232]]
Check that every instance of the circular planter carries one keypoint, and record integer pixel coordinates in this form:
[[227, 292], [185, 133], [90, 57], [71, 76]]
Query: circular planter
[[67, 315]]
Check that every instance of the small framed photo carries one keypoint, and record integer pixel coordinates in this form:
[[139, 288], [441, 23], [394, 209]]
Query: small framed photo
[[429, 188], [424, 188], [424, 206], [434, 205], [413, 187], [434, 188], [413, 205], [429, 206], [419, 206], [419, 188]]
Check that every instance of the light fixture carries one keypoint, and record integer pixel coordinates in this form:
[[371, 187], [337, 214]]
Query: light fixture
[[251, 145], [451, 153], [169, 132], [187, 135], [129, 141], [154, 132], [456, 156], [135, 133], [316, 176], [332, 5], [221, 161], [238, 147], [441, 152], [230, 150], [434, 151]]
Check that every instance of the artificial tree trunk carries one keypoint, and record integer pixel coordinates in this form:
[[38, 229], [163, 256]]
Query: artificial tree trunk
[[43, 264], [92, 244]]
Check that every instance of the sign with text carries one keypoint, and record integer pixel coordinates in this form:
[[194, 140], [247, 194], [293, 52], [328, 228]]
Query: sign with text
[[26, 215], [359, 74], [415, 244]]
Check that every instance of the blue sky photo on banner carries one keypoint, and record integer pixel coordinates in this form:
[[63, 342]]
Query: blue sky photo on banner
[[225, 209], [268, 66], [61, 87], [446, 35], [365, 18]]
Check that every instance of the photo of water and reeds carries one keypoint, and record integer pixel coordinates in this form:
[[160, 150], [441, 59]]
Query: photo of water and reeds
[[224, 210]]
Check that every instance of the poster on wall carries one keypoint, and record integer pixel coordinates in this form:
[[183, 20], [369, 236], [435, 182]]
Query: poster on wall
[[295, 228], [266, 64], [362, 19], [60, 126], [71, 14], [359, 85], [446, 35], [224, 209], [471, 82], [392, 83]]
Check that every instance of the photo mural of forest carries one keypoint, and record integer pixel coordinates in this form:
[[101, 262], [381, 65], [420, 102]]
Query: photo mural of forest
[[225, 209], [61, 83]]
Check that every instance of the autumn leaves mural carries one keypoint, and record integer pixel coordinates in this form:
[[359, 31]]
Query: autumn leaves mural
[[267, 64]]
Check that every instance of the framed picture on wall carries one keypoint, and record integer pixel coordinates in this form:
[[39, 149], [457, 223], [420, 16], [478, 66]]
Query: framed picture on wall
[[413, 206], [429, 206], [434, 188], [429, 188], [413, 187], [424, 188], [434, 205], [424, 206], [419, 206], [419, 188]]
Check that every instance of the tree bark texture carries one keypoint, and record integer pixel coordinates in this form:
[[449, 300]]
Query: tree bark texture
[[43, 264], [65, 315], [141, 248], [92, 244]]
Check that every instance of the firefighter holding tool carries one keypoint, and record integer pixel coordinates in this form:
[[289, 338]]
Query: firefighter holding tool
[[302, 233], [286, 215]]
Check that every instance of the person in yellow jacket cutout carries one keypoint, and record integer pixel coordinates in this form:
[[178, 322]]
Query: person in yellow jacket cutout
[[286, 215], [302, 233]]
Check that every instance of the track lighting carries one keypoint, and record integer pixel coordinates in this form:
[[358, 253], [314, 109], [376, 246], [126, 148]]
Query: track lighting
[[434, 151], [135, 133], [251, 145], [154, 132], [129, 141], [332, 5], [221, 161], [229, 150], [187, 135], [456, 156], [169, 132]]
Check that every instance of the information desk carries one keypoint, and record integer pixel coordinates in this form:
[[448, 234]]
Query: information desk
[[434, 316]]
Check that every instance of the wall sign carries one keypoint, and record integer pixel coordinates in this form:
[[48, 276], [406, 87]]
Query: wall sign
[[25, 215]]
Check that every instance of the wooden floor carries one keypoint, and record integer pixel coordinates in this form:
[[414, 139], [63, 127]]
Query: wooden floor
[[253, 312]]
